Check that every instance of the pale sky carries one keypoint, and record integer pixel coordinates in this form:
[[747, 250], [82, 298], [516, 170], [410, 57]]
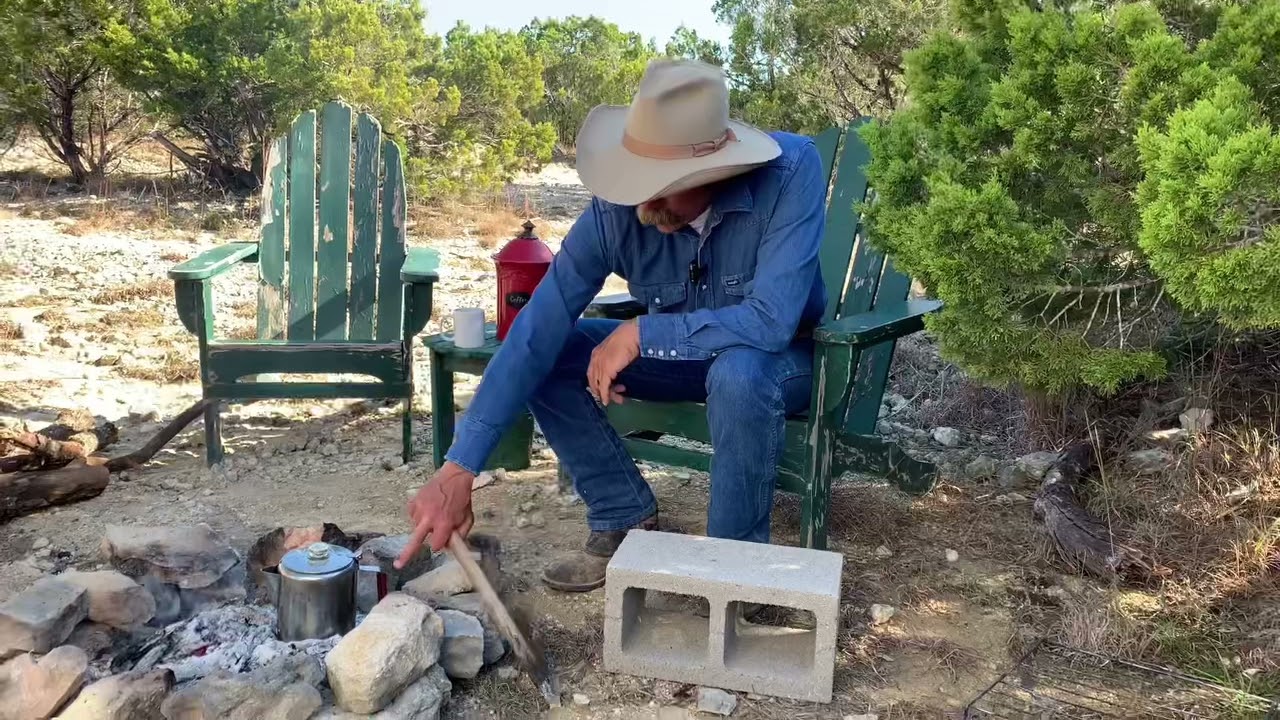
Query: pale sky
[[651, 18]]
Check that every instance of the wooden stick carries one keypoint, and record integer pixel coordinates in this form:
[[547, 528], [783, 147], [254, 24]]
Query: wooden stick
[[141, 456], [23, 492], [529, 656]]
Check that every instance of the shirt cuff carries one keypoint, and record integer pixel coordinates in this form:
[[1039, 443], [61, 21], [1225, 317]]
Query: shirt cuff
[[663, 337], [473, 441]]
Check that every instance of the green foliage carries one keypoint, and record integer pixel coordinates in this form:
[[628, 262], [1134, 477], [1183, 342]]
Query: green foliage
[[1211, 201], [686, 43], [52, 81], [231, 73], [807, 64], [493, 85], [586, 62], [1009, 184]]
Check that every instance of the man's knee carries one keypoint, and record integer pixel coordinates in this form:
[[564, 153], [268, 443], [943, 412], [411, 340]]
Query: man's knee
[[743, 371]]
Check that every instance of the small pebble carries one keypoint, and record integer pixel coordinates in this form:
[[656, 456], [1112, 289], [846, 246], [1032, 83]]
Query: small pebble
[[580, 699], [39, 543], [881, 614], [507, 672], [522, 522], [952, 556], [537, 520], [884, 552]]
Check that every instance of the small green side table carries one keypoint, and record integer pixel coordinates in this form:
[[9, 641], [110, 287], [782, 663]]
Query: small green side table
[[446, 359]]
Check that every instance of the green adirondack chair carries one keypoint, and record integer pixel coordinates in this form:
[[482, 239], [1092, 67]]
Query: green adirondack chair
[[354, 296], [868, 309]]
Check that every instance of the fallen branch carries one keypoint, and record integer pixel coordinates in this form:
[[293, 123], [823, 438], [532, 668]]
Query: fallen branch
[[1082, 540], [24, 492], [141, 456]]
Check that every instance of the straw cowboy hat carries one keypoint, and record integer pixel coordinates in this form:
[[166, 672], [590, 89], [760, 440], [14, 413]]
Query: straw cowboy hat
[[675, 135]]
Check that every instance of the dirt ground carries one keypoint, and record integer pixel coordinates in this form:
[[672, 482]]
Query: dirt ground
[[83, 280]]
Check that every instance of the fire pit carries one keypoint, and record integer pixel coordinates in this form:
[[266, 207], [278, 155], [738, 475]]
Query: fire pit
[[182, 625]]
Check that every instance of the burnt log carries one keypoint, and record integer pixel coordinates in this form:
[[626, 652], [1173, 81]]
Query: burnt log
[[1083, 541], [27, 491]]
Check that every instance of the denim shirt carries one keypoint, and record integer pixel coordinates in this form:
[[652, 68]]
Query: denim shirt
[[754, 281]]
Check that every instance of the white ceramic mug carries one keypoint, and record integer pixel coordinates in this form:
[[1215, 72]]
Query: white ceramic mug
[[468, 327]]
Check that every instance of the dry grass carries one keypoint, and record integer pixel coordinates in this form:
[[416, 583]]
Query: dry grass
[[490, 222], [10, 330], [142, 290], [173, 257], [173, 367]]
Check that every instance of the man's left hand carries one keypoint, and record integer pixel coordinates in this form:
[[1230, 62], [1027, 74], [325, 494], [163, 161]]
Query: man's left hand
[[609, 358]]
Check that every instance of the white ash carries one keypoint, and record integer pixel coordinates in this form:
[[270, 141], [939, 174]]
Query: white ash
[[234, 638]]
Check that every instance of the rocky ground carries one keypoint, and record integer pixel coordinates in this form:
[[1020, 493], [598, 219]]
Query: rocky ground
[[940, 592]]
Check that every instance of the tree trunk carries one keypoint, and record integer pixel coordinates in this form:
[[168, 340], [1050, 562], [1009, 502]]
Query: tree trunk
[[24, 492]]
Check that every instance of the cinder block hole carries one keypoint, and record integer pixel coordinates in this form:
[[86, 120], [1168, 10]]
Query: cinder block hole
[[777, 640], [661, 625]]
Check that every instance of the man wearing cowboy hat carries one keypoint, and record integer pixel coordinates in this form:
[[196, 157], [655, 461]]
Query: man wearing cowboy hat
[[716, 227]]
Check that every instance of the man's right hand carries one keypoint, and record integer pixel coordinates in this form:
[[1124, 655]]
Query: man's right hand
[[441, 507]]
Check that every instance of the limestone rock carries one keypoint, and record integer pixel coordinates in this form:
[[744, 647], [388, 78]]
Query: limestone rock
[[1196, 420], [420, 701], [383, 655], [952, 555], [129, 696], [31, 690], [42, 616], [1035, 465], [981, 468], [1028, 470], [447, 579], [282, 690], [1149, 462], [93, 638], [881, 614], [947, 436], [494, 645], [716, 701], [229, 588], [883, 552], [462, 651], [114, 599], [189, 557]]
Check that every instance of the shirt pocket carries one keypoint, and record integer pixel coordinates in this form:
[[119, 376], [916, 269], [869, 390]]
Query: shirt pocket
[[659, 297], [737, 285]]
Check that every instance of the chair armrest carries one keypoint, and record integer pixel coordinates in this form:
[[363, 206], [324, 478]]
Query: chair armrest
[[885, 323], [618, 306], [215, 261], [421, 265]]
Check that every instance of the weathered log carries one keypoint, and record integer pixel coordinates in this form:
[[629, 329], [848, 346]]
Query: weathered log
[[24, 492], [74, 435], [1082, 540], [141, 456]]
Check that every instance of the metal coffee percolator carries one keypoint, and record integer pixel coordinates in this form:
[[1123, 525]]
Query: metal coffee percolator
[[314, 591]]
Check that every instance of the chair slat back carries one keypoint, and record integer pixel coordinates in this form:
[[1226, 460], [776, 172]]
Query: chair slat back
[[333, 232], [849, 188]]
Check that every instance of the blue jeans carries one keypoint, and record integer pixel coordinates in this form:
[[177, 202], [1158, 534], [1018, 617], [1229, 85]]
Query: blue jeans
[[748, 392]]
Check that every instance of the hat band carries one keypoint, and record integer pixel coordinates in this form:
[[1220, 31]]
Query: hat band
[[676, 152]]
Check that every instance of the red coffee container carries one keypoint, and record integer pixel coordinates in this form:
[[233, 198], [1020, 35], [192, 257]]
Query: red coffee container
[[521, 265]]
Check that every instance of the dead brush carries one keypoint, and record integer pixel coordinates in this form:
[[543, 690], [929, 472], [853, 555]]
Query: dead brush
[[173, 367], [10, 330], [152, 289]]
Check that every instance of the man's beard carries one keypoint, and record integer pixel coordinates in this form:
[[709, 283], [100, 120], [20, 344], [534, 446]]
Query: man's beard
[[661, 217]]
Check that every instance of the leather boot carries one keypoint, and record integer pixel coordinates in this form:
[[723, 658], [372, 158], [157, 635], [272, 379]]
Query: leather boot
[[583, 570]]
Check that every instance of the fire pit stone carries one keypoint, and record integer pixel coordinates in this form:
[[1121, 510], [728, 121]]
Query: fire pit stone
[[394, 647], [42, 616], [189, 557], [114, 599], [127, 696]]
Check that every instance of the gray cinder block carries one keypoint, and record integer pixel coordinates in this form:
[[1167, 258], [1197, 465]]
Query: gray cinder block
[[722, 650]]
